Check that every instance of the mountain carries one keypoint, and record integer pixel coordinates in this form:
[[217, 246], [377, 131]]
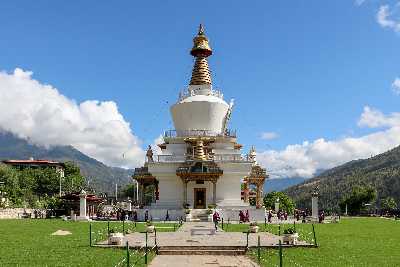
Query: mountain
[[280, 184], [100, 176], [381, 171]]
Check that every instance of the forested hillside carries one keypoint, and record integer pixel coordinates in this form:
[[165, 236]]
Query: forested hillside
[[101, 177], [381, 172]]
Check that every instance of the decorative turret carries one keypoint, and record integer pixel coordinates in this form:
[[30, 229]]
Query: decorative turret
[[201, 50]]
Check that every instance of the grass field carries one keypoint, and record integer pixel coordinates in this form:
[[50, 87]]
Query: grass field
[[30, 243], [352, 242]]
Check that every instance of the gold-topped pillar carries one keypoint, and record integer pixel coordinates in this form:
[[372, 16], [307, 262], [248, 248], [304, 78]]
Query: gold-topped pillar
[[185, 182], [246, 192], [214, 192], [258, 196]]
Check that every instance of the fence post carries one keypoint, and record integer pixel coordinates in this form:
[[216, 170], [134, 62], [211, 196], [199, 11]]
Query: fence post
[[258, 250], [247, 240], [90, 234], [265, 223], [155, 238], [127, 254], [145, 251], [279, 233], [280, 254], [315, 238], [108, 227], [222, 223], [294, 226], [123, 226]]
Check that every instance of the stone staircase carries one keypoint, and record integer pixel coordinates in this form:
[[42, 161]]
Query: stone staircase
[[202, 250], [199, 215]]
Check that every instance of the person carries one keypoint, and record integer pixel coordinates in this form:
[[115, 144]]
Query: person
[[269, 216], [216, 219], [285, 215], [135, 216], [241, 217], [304, 217], [247, 216], [167, 216]]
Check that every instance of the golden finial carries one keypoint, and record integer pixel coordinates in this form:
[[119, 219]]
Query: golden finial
[[201, 50], [201, 47], [201, 29]]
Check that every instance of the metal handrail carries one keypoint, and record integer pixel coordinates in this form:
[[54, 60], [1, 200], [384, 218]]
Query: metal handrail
[[195, 133]]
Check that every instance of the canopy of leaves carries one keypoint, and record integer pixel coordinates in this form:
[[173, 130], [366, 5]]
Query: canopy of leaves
[[357, 199], [285, 202], [389, 204], [37, 187]]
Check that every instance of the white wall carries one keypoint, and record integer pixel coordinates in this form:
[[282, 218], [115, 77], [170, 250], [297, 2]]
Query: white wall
[[199, 115]]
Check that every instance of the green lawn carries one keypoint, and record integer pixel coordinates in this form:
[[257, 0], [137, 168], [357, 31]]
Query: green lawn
[[352, 242], [30, 243]]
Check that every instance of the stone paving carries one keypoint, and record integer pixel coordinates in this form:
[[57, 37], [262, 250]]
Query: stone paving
[[203, 260], [183, 237]]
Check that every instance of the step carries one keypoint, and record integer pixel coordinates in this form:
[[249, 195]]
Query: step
[[230, 252], [202, 247]]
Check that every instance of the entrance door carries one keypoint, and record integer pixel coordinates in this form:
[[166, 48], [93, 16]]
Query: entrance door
[[199, 198]]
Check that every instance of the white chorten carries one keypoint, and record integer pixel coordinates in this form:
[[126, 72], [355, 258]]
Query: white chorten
[[201, 161]]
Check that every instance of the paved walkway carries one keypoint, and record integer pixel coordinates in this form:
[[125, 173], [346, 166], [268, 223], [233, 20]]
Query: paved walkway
[[201, 260], [183, 237]]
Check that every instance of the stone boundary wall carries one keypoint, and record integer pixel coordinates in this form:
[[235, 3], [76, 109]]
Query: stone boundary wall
[[159, 214], [15, 213]]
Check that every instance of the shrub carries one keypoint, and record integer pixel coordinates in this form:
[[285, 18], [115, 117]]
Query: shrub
[[289, 231]]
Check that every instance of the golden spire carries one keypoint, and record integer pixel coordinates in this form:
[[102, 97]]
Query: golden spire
[[201, 50]]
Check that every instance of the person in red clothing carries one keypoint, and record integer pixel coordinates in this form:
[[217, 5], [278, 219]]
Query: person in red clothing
[[216, 219]]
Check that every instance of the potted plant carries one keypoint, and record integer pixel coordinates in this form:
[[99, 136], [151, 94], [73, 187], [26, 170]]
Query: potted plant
[[290, 236], [150, 227], [253, 227], [188, 215], [115, 238]]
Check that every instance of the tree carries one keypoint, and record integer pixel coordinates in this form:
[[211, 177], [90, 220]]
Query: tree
[[130, 191], [356, 201], [285, 202], [73, 180], [389, 204]]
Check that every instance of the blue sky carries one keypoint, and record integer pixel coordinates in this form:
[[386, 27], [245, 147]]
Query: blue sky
[[301, 69]]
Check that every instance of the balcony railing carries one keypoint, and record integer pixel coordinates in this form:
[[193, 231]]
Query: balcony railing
[[217, 158], [196, 133], [200, 91]]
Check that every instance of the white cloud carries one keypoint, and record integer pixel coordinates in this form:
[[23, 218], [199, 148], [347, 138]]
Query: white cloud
[[396, 86], [374, 118], [359, 2], [269, 135], [304, 160], [385, 18], [39, 112]]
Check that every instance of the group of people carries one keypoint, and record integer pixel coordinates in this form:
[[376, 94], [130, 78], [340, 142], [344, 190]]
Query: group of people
[[302, 213], [244, 216]]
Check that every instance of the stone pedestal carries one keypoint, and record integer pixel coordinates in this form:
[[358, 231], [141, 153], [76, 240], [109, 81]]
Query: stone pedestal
[[314, 206], [82, 207], [277, 206], [129, 205]]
